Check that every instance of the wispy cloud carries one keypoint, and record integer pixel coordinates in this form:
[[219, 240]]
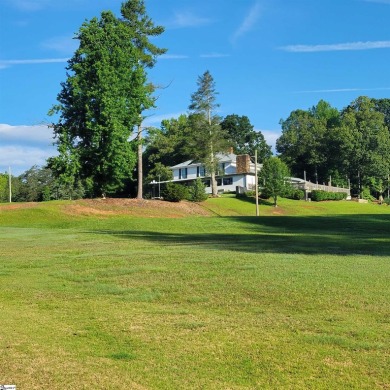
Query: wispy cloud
[[249, 21], [173, 57], [38, 5], [184, 19], [155, 120], [338, 90], [337, 47], [63, 44], [7, 63], [214, 55], [378, 1], [29, 5]]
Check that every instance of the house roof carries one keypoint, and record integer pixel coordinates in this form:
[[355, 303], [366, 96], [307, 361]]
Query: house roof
[[221, 157]]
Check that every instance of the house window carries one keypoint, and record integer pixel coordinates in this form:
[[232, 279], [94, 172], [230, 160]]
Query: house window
[[200, 171], [183, 173], [206, 183], [219, 182], [221, 169], [227, 181]]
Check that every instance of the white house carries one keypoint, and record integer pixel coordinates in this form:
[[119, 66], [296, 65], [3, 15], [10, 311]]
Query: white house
[[236, 173]]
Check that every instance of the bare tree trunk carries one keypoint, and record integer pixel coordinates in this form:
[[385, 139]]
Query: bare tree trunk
[[140, 170]]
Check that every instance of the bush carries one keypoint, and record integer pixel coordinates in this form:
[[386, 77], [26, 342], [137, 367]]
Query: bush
[[197, 191], [175, 192], [295, 194], [387, 201], [246, 194], [366, 194], [264, 194], [319, 195]]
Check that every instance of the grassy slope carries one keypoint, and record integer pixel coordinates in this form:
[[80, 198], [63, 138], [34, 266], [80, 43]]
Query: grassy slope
[[298, 298]]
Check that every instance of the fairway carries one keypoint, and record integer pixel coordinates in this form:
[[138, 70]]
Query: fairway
[[145, 296]]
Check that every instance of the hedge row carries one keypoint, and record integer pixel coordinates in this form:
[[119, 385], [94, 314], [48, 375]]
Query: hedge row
[[319, 195]]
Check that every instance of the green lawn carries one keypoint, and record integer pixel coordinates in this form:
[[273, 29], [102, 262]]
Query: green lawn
[[298, 298]]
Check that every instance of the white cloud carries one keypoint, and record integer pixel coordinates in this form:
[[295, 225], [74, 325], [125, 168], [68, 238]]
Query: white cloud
[[21, 147], [335, 90], [270, 136], [63, 44], [214, 55], [155, 120], [248, 23], [38, 5], [29, 5], [7, 63], [378, 1], [337, 47], [173, 57], [187, 19], [21, 158], [39, 134]]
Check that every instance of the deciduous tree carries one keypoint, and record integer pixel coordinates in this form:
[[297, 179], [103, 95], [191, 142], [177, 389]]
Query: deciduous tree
[[275, 177], [243, 138], [104, 96]]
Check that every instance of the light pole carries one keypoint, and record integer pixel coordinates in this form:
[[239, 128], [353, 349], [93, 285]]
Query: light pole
[[256, 186], [10, 184]]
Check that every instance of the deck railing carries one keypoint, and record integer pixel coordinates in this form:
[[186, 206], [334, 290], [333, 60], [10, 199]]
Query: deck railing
[[309, 186]]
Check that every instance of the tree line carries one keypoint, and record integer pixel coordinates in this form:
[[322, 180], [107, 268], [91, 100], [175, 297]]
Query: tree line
[[350, 147], [100, 110]]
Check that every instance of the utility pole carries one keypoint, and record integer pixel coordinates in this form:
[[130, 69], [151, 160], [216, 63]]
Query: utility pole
[[256, 186], [10, 184], [140, 170]]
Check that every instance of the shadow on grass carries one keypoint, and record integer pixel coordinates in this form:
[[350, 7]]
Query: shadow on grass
[[338, 235], [252, 200]]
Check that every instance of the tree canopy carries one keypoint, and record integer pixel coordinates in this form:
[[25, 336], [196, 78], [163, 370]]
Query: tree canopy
[[103, 98], [351, 145], [275, 178], [243, 138]]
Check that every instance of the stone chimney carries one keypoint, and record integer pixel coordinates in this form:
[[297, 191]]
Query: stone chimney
[[243, 163]]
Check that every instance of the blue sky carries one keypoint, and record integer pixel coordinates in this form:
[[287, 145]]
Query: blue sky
[[267, 57]]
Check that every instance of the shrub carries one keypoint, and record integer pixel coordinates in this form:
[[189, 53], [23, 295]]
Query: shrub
[[319, 195], [265, 194], [197, 191], [295, 194], [387, 201], [175, 192], [366, 194]]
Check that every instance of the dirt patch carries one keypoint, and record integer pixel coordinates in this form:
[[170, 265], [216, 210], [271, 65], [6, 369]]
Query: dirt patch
[[134, 207], [18, 206]]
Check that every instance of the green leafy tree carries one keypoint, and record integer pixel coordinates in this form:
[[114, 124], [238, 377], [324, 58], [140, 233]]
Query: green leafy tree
[[304, 144], [4, 189], [197, 191], [243, 138], [207, 137], [383, 106], [275, 178], [167, 145], [103, 98], [36, 184], [364, 143]]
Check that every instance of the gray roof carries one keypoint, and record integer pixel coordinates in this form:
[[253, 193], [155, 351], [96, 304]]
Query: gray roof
[[221, 157]]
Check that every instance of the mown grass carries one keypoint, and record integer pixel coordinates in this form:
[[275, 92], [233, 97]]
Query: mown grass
[[297, 299]]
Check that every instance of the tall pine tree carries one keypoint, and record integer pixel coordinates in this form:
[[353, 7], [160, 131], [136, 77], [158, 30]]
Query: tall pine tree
[[207, 137]]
